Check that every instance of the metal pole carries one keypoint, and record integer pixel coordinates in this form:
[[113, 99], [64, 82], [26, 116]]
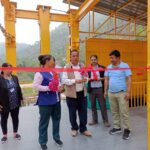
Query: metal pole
[[148, 75]]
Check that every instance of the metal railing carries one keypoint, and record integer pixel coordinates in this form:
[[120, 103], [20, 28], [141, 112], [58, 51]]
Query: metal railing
[[29, 94], [138, 94]]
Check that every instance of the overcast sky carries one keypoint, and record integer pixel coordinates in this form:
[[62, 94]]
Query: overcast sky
[[27, 31]]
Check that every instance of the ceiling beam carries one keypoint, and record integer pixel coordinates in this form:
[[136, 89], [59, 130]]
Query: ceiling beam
[[141, 15], [124, 5], [106, 11], [85, 7]]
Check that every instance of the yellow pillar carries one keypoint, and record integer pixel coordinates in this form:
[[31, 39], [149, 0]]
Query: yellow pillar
[[44, 22], [10, 44], [148, 75], [68, 54], [74, 30]]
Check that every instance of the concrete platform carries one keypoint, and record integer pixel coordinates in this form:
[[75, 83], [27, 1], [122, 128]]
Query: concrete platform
[[101, 140]]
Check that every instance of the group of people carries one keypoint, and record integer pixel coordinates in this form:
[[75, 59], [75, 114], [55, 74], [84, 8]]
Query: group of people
[[112, 81]]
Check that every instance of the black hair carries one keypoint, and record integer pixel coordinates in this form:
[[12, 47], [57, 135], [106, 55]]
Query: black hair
[[43, 58], [5, 65], [53, 58], [95, 56], [115, 53], [74, 50]]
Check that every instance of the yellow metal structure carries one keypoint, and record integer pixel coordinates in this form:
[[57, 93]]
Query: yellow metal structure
[[68, 54], [148, 76], [85, 8], [74, 30], [44, 16], [6, 4], [28, 14], [10, 21], [44, 28]]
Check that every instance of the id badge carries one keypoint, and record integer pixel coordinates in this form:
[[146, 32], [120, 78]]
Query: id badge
[[12, 90]]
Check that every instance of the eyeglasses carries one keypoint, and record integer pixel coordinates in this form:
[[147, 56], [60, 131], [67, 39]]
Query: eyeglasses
[[93, 59]]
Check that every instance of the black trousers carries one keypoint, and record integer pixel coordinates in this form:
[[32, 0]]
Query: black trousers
[[15, 120], [98, 94], [79, 105]]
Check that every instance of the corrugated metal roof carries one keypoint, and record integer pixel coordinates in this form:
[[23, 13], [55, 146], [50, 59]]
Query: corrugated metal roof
[[125, 8]]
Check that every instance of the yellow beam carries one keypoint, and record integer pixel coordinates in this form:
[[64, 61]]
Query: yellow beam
[[10, 28], [44, 22], [74, 30], [135, 25], [6, 4], [85, 7], [93, 21], [148, 75], [112, 34], [27, 14], [59, 17], [115, 24], [89, 24]]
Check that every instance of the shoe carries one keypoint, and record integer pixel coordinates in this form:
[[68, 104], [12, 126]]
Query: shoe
[[17, 136], [44, 147], [59, 142], [4, 139], [92, 123], [106, 124], [87, 133], [115, 131], [74, 133], [126, 134]]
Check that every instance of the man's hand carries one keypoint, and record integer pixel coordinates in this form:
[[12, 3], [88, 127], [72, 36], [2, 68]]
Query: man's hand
[[98, 79], [127, 96], [1, 108], [61, 89], [81, 81], [105, 94], [84, 80]]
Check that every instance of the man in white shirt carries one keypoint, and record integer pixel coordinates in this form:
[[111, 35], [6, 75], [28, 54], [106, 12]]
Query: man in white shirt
[[75, 91]]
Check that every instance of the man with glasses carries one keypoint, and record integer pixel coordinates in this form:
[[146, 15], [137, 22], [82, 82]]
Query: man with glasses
[[96, 91]]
